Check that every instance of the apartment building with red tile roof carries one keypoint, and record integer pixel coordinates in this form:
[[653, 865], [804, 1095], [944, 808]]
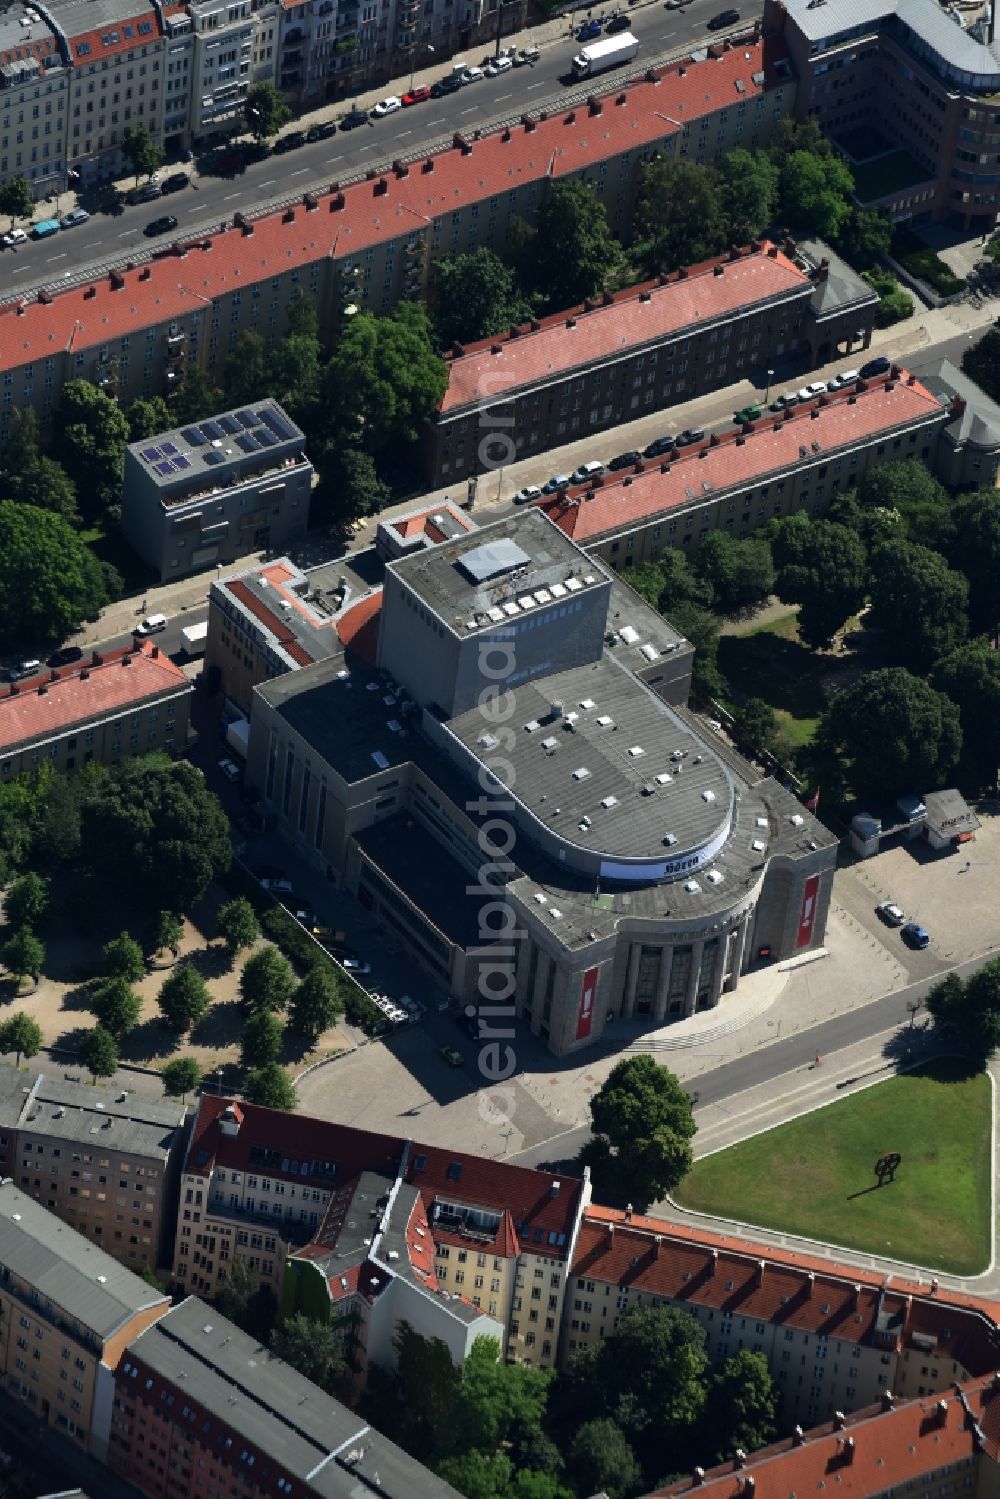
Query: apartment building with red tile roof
[[595, 366], [800, 458], [385, 228], [834, 1337], [121, 702], [933, 1446]]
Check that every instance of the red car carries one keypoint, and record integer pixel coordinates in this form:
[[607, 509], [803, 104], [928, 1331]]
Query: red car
[[417, 95]]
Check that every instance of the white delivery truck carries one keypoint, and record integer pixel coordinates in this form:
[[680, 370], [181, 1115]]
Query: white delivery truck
[[609, 52], [194, 638]]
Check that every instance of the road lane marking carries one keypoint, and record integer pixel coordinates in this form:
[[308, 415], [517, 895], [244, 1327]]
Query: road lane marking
[[57, 257]]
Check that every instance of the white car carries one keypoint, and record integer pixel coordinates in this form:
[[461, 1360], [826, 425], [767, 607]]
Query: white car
[[890, 913], [846, 377], [473, 75], [14, 237], [498, 65], [151, 625], [387, 106], [230, 769], [356, 965], [527, 494], [811, 391]]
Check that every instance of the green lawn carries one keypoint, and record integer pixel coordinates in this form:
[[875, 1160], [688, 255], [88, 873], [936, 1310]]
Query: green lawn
[[815, 1176], [769, 662], [887, 174]]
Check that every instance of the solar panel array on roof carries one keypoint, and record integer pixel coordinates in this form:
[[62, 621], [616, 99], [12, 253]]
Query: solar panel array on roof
[[181, 462], [168, 449], [214, 457], [164, 468], [248, 418], [229, 425], [151, 454], [194, 436], [277, 424], [212, 430], [248, 443], [265, 438]]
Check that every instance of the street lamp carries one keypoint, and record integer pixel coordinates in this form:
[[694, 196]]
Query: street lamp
[[767, 392], [413, 61]]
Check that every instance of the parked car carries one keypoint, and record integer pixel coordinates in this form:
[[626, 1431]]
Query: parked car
[[588, 31], [230, 162], [148, 192], [354, 964], [790, 398], [230, 769], [527, 494], [449, 84], [354, 118], [690, 435], [890, 913], [452, 1056], [74, 217], [878, 366], [617, 21], [14, 237], [846, 377], [724, 18], [497, 65], [915, 936], [558, 481], [527, 57], [387, 107], [416, 95], [22, 670], [44, 228], [625, 460], [65, 656], [658, 447], [290, 142], [175, 183], [278, 885], [162, 225], [322, 131], [472, 75], [263, 872], [747, 414], [587, 471], [151, 625]]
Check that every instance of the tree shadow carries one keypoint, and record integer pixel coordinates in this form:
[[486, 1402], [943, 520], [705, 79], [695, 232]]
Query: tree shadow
[[211, 962], [784, 673], [70, 1039], [927, 1051], [296, 1048], [151, 1039], [223, 1025], [79, 998]]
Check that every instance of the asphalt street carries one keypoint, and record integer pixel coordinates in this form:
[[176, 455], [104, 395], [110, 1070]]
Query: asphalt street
[[314, 166]]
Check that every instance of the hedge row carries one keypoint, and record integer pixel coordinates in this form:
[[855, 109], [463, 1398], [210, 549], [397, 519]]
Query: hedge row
[[921, 261]]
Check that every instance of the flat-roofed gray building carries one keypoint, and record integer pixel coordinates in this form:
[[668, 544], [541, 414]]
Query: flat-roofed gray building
[[213, 491], [215, 1405]]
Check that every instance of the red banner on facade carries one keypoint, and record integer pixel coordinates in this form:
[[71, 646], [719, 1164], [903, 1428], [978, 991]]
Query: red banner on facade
[[588, 998], [807, 916]]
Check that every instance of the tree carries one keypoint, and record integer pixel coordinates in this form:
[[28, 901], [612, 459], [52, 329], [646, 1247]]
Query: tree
[[167, 931], [28, 476], [181, 1077], [195, 397], [894, 304], [743, 1406], [748, 194], [865, 237], [754, 724], [679, 215], [117, 1007], [478, 1475], [975, 549], [701, 628], [981, 363], [160, 830], [474, 296], [148, 416], [183, 999], [245, 1301], [91, 435], [643, 1118], [892, 732], [269, 1086], [497, 1400], [740, 572], [50, 581], [601, 1460], [918, 603], [294, 373], [315, 1349], [791, 135], [123, 958], [909, 489], [349, 487], [384, 379], [26, 901], [260, 1043], [816, 192], [244, 375], [16, 199], [265, 111], [267, 981], [21, 1035], [970, 676], [822, 567], [429, 1384], [24, 954], [970, 1008], [141, 151], [316, 1004], [99, 1053], [238, 924], [568, 252]]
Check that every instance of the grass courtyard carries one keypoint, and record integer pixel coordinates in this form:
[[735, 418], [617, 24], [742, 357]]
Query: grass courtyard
[[815, 1175]]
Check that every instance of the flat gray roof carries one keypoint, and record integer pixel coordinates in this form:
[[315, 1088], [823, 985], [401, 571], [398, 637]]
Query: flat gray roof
[[243, 1386], [104, 1118], [494, 574], [66, 1269], [929, 24]]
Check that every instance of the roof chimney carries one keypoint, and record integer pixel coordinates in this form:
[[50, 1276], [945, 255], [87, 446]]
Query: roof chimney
[[941, 1411], [839, 1420], [715, 1262], [957, 405], [554, 1189], [855, 1296], [698, 1476], [798, 1436], [628, 1212], [657, 1241], [761, 1267], [846, 1445], [739, 1458], [888, 1400], [611, 1240]]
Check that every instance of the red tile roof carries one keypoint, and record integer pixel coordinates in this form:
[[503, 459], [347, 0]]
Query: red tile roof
[[542, 1207], [834, 1299], [871, 1452], [40, 46], [643, 314], [282, 633], [108, 41], [55, 701], [291, 1137], [424, 522], [358, 626], [735, 462], [364, 214]]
